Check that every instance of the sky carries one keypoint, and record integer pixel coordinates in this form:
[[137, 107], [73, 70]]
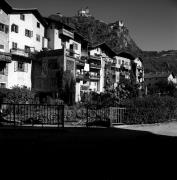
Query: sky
[[152, 23]]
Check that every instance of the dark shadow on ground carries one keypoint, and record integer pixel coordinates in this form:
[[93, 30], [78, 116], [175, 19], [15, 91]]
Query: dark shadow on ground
[[89, 150]]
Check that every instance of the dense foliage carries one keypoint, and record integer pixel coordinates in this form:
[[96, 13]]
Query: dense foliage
[[68, 88], [19, 95], [150, 109]]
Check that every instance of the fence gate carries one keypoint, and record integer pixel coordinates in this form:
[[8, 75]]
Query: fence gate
[[105, 116], [98, 116], [117, 115]]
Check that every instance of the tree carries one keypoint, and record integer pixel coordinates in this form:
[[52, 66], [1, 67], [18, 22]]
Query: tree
[[165, 87], [68, 88]]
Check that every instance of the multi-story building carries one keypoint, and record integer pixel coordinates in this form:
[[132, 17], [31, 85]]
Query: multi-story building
[[26, 37], [128, 63], [153, 79], [100, 58], [5, 56], [63, 54]]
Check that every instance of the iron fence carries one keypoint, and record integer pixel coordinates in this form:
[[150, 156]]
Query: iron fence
[[108, 116], [32, 115], [97, 116]]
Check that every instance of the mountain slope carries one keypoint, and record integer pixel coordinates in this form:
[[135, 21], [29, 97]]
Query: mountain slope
[[117, 36], [97, 31]]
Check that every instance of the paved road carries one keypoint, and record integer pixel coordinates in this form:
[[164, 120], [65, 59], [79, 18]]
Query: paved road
[[169, 129]]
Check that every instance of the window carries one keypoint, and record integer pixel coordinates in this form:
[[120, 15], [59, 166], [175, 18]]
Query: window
[[21, 66], [27, 49], [2, 27], [14, 45], [38, 25], [2, 85], [14, 28], [2, 71], [1, 46], [38, 38], [28, 33], [22, 17], [75, 46]]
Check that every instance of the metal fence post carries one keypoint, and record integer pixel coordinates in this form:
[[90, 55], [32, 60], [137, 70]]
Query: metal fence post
[[14, 114], [63, 116], [87, 117]]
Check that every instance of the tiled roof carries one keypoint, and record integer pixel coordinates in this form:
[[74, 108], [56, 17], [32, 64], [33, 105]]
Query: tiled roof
[[30, 11], [5, 6]]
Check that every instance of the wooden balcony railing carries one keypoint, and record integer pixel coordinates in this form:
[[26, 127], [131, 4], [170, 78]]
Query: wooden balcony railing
[[95, 66], [95, 57], [22, 52]]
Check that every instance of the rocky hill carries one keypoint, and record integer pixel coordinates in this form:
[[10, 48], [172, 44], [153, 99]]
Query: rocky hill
[[97, 31], [117, 36]]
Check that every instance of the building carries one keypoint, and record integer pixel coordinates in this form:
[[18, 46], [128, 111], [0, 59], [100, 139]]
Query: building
[[130, 67], [43, 49], [64, 53], [100, 57], [5, 56], [152, 79], [84, 12], [26, 38]]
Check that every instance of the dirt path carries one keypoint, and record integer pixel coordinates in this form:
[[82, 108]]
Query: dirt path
[[169, 129]]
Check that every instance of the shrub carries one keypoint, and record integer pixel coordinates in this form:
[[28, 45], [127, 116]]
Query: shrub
[[152, 109], [19, 95]]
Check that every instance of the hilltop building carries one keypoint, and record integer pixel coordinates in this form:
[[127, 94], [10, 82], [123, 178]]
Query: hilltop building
[[84, 12]]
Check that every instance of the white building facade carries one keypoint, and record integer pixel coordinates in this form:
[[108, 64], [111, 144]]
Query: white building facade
[[5, 57], [26, 37]]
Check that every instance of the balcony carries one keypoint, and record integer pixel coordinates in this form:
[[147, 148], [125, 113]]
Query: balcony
[[80, 62], [95, 66], [79, 76], [72, 53], [85, 88], [94, 77], [66, 33], [98, 58], [5, 57], [113, 64], [22, 53]]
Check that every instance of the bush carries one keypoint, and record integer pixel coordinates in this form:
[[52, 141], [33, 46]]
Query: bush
[[18, 95], [152, 109]]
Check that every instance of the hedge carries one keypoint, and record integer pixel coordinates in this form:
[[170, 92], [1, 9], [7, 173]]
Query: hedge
[[152, 109]]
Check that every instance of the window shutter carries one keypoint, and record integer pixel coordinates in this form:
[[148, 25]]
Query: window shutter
[[6, 70], [16, 29], [26, 67], [31, 33], [6, 29], [15, 66], [12, 27]]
